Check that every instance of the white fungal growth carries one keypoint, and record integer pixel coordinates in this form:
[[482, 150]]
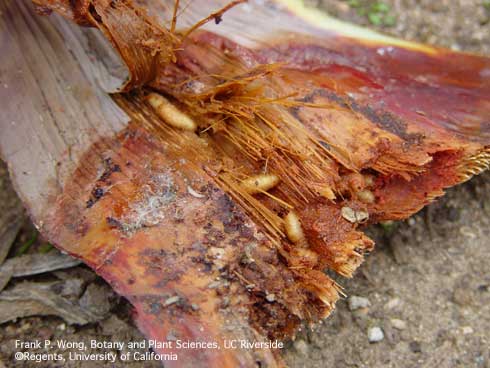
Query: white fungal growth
[[294, 231], [170, 113], [151, 207], [260, 183]]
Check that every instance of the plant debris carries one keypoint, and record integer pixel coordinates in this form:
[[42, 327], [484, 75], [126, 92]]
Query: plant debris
[[33, 264], [43, 298]]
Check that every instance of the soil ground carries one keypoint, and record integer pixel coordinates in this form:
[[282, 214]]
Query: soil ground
[[427, 282]]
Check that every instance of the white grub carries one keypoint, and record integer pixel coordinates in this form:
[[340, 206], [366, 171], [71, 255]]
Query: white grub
[[353, 216], [327, 193], [170, 113], [306, 257], [193, 193], [366, 196], [369, 180], [260, 183], [294, 230]]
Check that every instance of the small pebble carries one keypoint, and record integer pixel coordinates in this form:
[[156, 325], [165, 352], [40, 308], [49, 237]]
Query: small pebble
[[467, 330], [480, 360], [393, 303], [357, 302], [301, 347], [375, 334], [398, 324]]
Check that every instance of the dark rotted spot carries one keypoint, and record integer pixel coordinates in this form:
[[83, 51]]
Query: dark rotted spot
[[208, 266], [339, 100], [97, 193], [110, 168], [225, 204], [213, 236], [230, 226], [388, 122], [325, 145], [218, 19], [131, 281], [383, 119], [230, 216], [246, 231], [113, 223]]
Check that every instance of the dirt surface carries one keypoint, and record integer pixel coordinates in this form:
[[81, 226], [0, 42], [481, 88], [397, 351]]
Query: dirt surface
[[427, 284], [456, 24]]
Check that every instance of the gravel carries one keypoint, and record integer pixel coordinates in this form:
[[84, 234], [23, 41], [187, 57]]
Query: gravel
[[375, 334], [398, 324], [357, 302]]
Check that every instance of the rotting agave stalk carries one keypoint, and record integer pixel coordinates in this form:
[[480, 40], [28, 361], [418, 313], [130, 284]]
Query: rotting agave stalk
[[257, 149]]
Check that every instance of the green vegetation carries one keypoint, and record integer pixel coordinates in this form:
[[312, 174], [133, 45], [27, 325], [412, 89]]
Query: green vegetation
[[378, 12], [45, 248], [25, 247], [388, 226]]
